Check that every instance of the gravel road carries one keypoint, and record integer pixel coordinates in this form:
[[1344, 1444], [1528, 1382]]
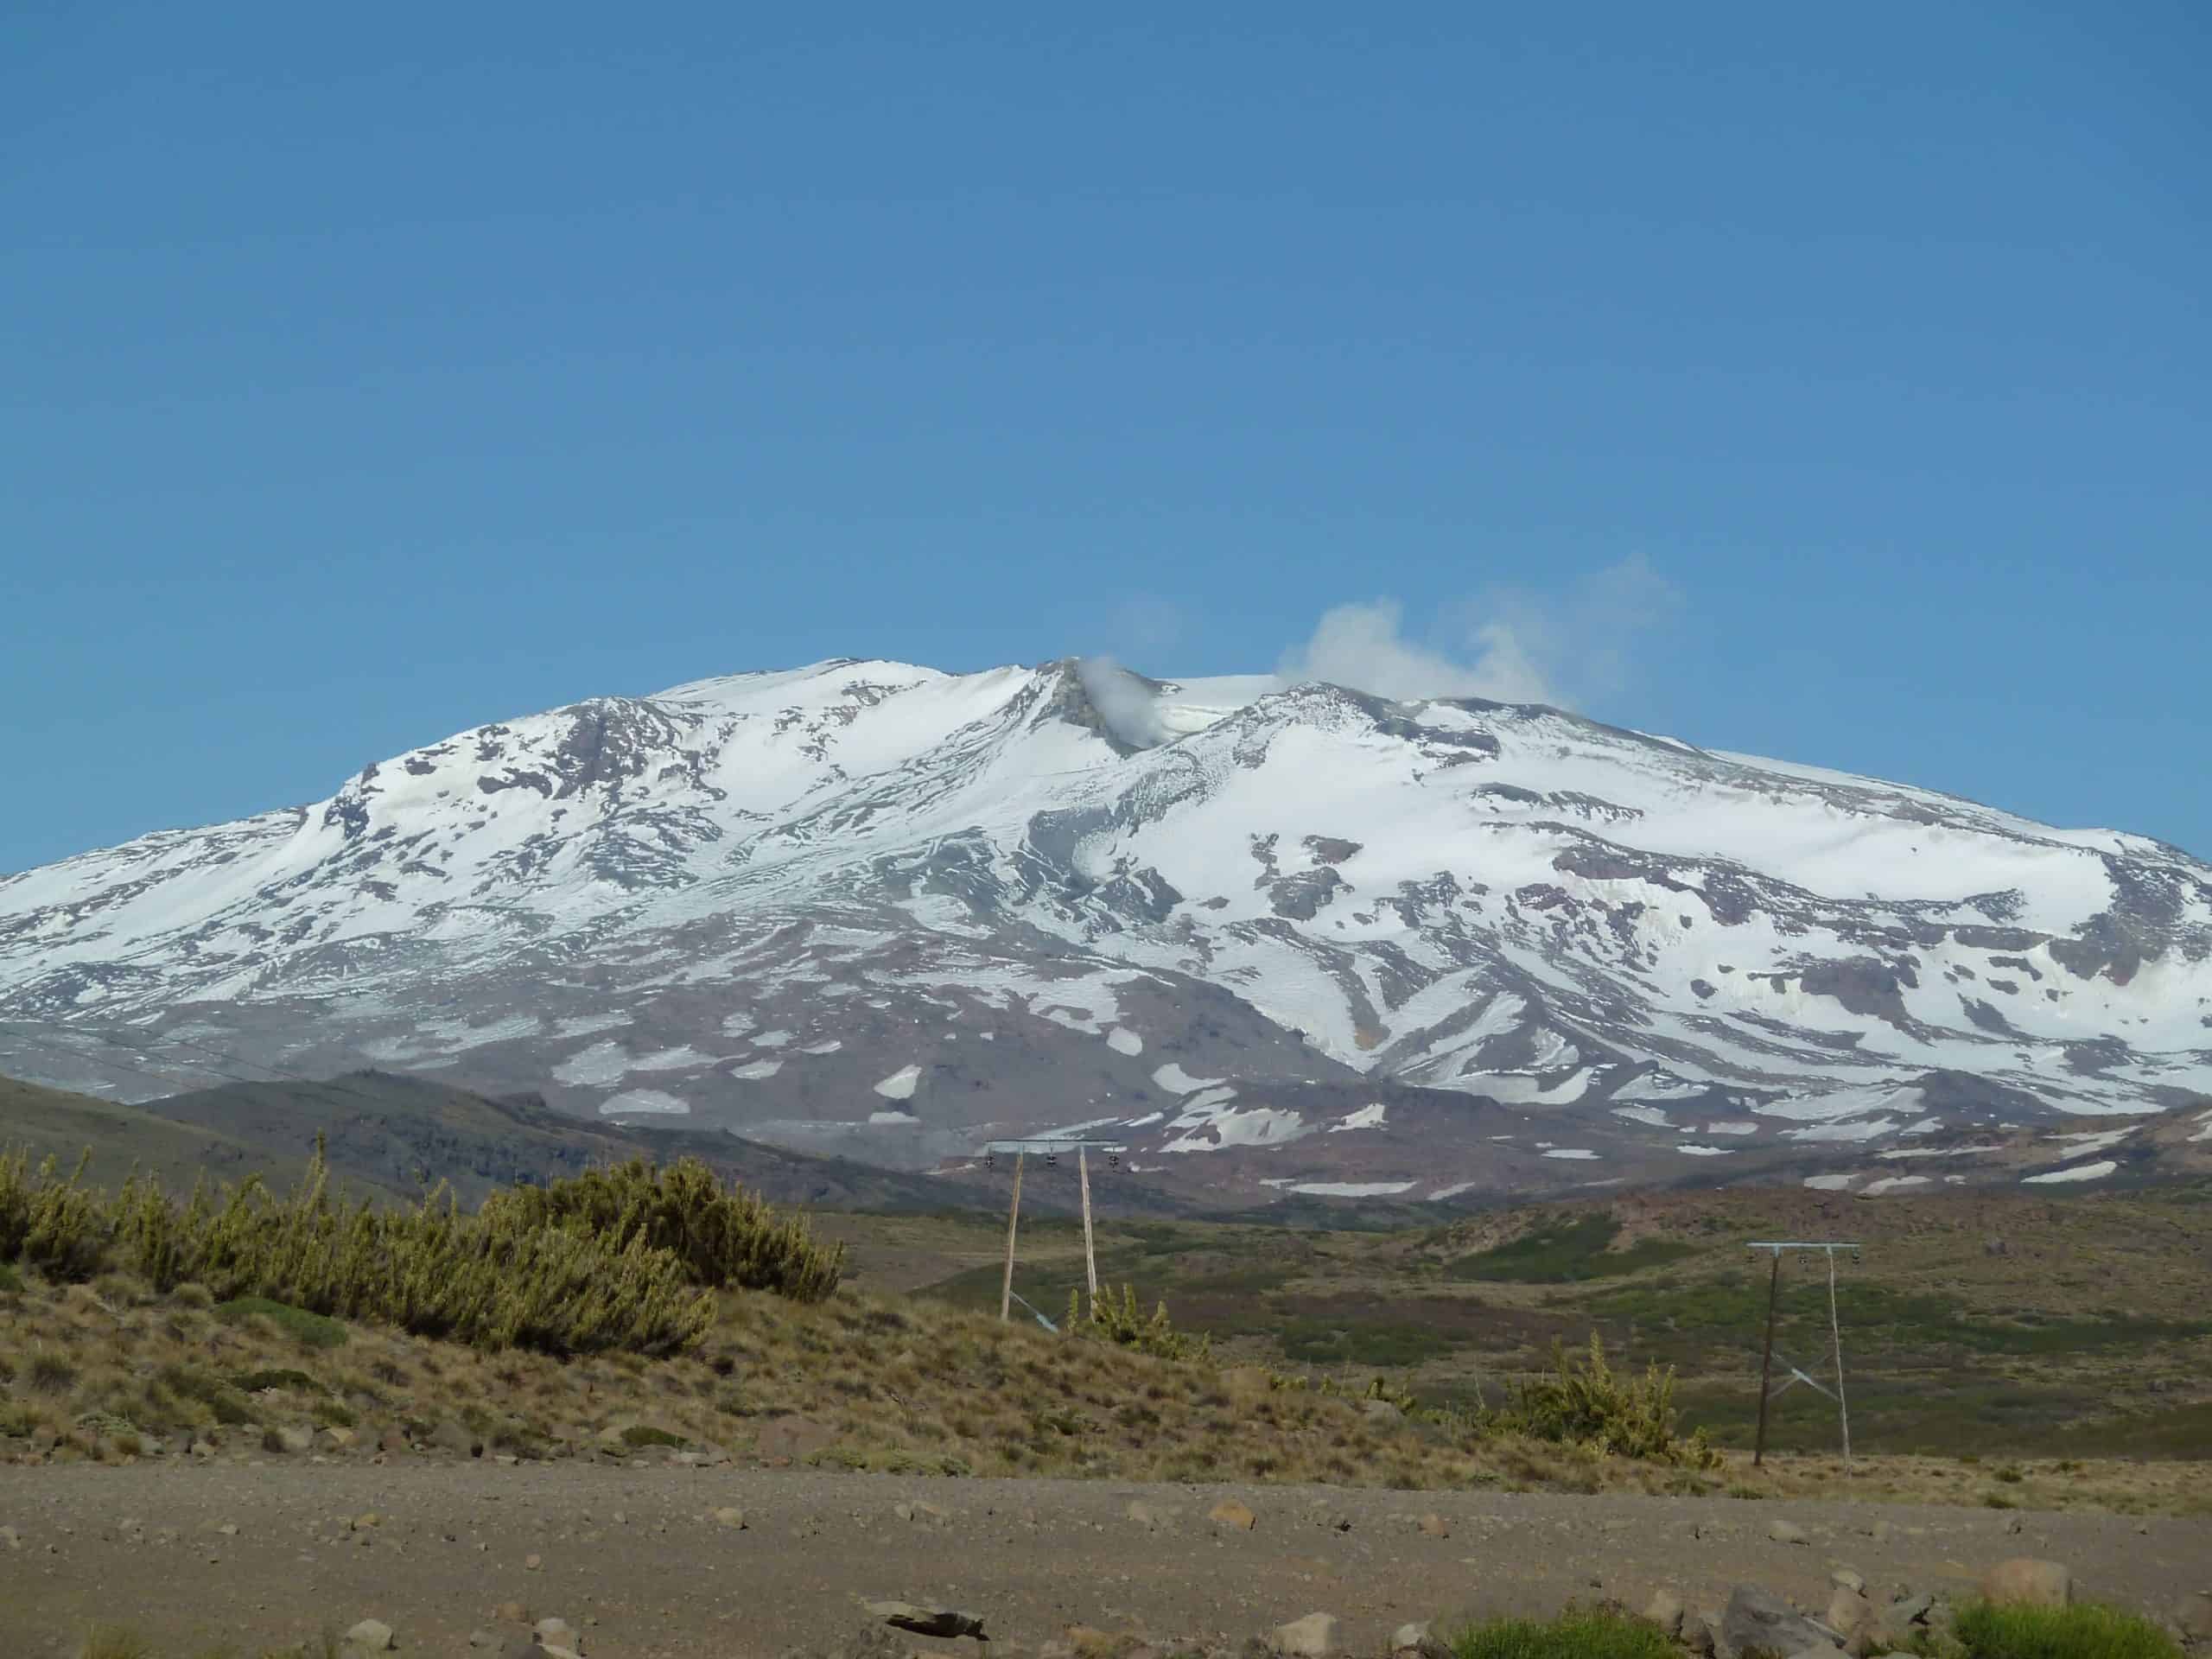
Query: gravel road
[[636, 1558]]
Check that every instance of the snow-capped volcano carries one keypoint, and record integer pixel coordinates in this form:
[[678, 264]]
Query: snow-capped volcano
[[1366, 945]]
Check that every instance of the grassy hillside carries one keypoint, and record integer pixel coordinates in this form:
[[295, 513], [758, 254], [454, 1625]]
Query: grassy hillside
[[53, 1123], [1998, 1326], [390, 1136]]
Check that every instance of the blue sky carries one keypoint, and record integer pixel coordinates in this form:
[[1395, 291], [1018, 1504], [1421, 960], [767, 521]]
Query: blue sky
[[1831, 384]]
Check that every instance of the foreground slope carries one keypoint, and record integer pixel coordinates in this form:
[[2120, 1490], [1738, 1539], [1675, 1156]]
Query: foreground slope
[[1267, 940]]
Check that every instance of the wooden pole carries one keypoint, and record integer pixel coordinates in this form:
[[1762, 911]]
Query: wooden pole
[[1013, 1219], [1835, 1329], [1766, 1359], [1089, 1251]]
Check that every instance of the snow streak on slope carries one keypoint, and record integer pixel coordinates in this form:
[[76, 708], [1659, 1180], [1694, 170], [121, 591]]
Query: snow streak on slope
[[776, 901]]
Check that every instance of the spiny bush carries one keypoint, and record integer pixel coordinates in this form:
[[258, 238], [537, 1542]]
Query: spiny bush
[[500, 1278], [727, 1240], [1119, 1322], [1584, 1402], [59, 1227]]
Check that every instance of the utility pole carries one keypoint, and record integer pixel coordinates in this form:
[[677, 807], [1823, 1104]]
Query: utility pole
[[1089, 1251], [1766, 1356], [1827, 1247], [1013, 1220]]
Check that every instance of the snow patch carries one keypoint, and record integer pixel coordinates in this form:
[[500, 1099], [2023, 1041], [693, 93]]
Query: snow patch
[[1893, 1184], [757, 1072], [1354, 1189], [1830, 1182], [643, 1100], [1124, 1041], [600, 1063], [2096, 1172], [1570, 1152], [1173, 1079], [1695, 1150], [1367, 1117], [901, 1083]]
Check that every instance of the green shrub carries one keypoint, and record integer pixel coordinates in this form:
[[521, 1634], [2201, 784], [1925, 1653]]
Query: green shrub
[[501, 1278], [308, 1330], [10, 1280], [61, 1227], [2083, 1631], [1586, 1402], [646, 1435], [726, 1240], [1119, 1322], [1573, 1635], [622, 1259]]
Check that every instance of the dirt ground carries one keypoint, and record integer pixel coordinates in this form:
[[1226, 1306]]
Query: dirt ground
[[637, 1560]]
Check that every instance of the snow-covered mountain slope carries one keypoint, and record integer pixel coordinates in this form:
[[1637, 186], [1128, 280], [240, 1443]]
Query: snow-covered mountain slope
[[1357, 944]]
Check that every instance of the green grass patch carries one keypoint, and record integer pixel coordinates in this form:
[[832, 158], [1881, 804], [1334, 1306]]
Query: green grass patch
[[308, 1330], [1573, 1635], [1567, 1252], [2083, 1631], [10, 1280], [1383, 1343], [646, 1435]]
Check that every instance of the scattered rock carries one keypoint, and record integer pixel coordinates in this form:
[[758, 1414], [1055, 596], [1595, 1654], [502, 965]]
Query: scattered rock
[[1434, 1526], [1408, 1638], [1848, 1610], [371, 1636], [558, 1633], [1786, 1532], [531, 1563], [512, 1612], [10, 1539], [1758, 1620], [363, 1523], [733, 1519], [927, 1621], [1844, 1579], [1665, 1610], [393, 1439], [1151, 1516], [337, 1438], [293, 1439], [1229, 1513], [2025, 1582], [1702, 1633], [482, 1640], [927, 1514], [1313, 1636]]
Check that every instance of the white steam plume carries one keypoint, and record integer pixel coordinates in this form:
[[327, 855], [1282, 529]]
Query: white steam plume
[[1124, 703], [1510, 645]]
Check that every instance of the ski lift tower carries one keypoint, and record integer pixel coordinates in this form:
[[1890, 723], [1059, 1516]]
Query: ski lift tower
[[1776, 1248]]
